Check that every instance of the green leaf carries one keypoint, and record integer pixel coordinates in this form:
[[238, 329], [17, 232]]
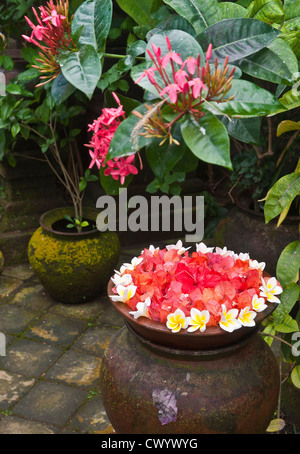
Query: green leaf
[[269, 11], [84, 224], [230, 10], [200, 13], [284, 51], [94, 16], [288, 325], [266, 65], [287, 126], [288, 298], [13, 89], [295, 376], [208, 139], [163, 158], [182, 43], [61, 89], [291, 99], [139, 11], [281, 195], [15, 129], [291, 9], [237, 38], [246, 130], [127, 139], [82, 69], [288, 264], [249, 101]]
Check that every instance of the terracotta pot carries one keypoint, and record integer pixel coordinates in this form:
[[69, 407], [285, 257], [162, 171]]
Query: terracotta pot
[[147, 388], [72, 267], [154, 381]]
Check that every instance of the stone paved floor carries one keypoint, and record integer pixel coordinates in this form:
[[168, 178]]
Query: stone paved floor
[[49, 377]]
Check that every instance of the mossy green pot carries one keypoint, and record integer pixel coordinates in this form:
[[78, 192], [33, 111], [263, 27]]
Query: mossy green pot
[[72, 267]]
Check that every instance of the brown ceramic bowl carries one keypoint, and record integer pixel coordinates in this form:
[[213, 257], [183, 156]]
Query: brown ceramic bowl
[[213, 337]]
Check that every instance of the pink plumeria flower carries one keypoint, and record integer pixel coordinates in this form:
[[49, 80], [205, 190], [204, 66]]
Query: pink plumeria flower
[[197, 85]]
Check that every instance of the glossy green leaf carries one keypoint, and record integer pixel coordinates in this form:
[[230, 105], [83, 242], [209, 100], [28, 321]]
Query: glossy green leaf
[[208, 139], [266, 65], [295, 376], [288, 264], [287, 126], [82, 69], [288, 325], [288, 298], [139, 11], [200, 13], [94, 16], [291, 99], [182, 43], [281, 195], [61, 89], [269, 11], [229, 10], [237, 38], [284, 51], [127, 139], [244, 129], [162, 159], [249, 101], [291, 9]]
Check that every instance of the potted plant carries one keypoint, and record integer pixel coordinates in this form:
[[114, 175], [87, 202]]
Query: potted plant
[[191, 332]]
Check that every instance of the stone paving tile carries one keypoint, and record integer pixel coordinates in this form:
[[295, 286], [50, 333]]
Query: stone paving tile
[[22, 271], [30, 358], [51, 403], [76, 368], [8, 284], [32, 298], [111, 316], [13, 319], [87, 311], [95, 339], [19, 426], [91, 418], [54, 328], [12, 387]]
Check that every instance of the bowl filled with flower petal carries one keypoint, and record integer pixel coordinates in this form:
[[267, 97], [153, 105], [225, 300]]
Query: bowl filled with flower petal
[[201, 300]]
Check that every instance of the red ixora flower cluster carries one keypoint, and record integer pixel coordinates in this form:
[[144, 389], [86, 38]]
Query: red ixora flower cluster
[[104, 129], [51, 35], [204, 288]]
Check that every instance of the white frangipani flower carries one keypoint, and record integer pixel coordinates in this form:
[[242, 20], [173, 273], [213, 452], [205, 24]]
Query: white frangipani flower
[[269, 289], [198, 320], [178, 246], [243, 256], [124, 293], [258, 304], [224, 251], [142, 309], [124, 279], [201, 247], [130, 266], [177, 320], [246, 317], [229, 321], [256, 265]]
